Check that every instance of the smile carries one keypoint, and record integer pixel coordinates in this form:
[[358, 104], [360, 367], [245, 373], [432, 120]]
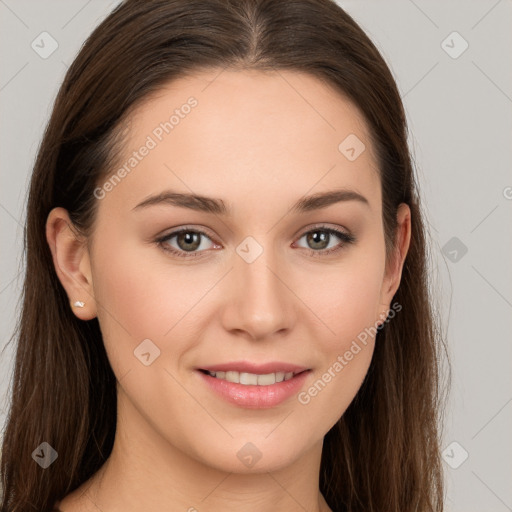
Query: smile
[[254, 391]]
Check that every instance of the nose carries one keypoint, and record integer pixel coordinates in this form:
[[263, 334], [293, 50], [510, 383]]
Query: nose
[[260, 302]]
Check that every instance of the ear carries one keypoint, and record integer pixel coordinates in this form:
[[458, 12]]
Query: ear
[[71, 260], [395, 265]]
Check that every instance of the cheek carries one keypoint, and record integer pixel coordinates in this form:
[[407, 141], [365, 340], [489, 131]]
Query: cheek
[[142, 296], [347, 302], [346, 297]]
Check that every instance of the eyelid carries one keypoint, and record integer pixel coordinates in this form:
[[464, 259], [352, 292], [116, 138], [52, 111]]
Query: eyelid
[[188, 227], [325, 227]]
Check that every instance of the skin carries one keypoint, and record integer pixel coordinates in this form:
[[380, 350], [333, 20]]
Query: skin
[[260, 141]]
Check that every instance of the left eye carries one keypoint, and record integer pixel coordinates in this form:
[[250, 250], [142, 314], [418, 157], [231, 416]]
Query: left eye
[[318, 238]]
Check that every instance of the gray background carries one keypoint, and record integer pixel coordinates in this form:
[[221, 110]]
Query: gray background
[[460, 134]]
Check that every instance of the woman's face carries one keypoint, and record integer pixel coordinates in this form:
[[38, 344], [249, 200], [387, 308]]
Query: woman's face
[[256, 277]]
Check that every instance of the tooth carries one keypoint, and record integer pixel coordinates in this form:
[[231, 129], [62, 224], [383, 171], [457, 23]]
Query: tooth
[[265, 380], [251, 379], [248, 378], [233, 377]]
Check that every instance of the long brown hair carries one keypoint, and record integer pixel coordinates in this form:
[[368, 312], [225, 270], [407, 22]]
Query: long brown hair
[[383, 453]]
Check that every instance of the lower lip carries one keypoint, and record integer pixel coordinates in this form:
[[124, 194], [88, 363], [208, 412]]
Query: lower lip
[[256, 397]]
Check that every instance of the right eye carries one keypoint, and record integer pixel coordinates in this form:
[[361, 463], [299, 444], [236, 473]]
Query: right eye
[[188, 242]]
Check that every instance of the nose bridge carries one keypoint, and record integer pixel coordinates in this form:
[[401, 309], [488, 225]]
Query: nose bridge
[[261, 304]]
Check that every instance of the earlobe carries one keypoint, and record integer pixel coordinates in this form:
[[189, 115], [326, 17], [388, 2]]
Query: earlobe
[[394, 272], [71, 261]]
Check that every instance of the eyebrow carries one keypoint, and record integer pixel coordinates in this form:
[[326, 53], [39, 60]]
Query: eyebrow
[[219, 207]]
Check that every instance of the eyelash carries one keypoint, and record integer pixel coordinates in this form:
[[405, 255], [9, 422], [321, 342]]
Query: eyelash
[[346, 238]]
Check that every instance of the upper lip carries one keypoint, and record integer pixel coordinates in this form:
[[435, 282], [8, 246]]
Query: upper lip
[[258, 369]]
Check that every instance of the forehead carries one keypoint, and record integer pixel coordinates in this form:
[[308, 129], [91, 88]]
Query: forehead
[[279, 134]]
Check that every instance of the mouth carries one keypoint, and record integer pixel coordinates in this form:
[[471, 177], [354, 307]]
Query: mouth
[[252, 379], [254, 390]]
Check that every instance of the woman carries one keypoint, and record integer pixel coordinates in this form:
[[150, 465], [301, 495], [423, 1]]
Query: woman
[[287, 359]]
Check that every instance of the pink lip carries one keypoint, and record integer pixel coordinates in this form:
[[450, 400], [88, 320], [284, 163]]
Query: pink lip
[[259, 369], [255, 397]]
